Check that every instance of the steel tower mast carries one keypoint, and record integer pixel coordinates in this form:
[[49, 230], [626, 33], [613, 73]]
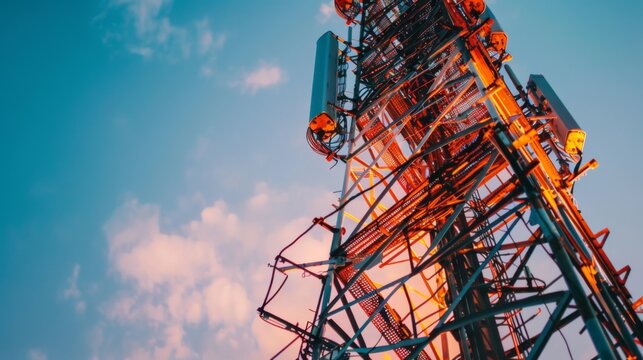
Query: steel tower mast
[[457, 235]]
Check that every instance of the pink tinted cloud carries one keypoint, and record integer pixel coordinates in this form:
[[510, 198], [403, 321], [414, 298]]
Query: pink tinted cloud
[[264, 76], [192, 291]]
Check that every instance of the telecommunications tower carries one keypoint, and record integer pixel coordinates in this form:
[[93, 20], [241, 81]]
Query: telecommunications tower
[[456, 234]]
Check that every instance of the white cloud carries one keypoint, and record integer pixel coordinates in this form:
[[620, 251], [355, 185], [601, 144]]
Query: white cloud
[[191, 292], [208, 43], [207, 40], [326, 11], [145, 28], [73, 293], [207, 71], [36, 354], [227, 302], [264, 76], [142, 253], [143, 51], [144, 12], [80, 307], [261, 198]]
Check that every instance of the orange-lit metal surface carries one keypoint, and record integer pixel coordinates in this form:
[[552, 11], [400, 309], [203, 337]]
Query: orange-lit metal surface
[[457, 233]]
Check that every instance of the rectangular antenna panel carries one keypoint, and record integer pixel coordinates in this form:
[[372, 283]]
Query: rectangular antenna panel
[[324, 96], [564, 125]]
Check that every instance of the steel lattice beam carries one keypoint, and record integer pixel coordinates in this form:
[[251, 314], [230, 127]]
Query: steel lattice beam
[[457, 204]]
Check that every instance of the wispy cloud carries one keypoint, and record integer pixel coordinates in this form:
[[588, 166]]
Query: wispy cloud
[[142, 51], [326, 11], [207, 71], [207, 274], [207, 40], [72, 290], [208, 43], [73, 293], [145, 28], [36, 354], [145, 14], [264, 76]]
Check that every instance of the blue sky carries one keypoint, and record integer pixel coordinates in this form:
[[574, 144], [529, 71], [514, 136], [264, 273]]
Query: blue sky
[[134, 129]]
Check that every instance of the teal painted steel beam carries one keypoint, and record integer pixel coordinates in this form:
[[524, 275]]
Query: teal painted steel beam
[[474, 276], [319, 323], [389, 347], [550, 327], [441, 234], [625, 333], [498, 309], [395, 178], [430, 261], [553, 235]]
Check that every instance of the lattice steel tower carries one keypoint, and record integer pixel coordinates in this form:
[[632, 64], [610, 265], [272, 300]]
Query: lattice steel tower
[[457, 235]]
